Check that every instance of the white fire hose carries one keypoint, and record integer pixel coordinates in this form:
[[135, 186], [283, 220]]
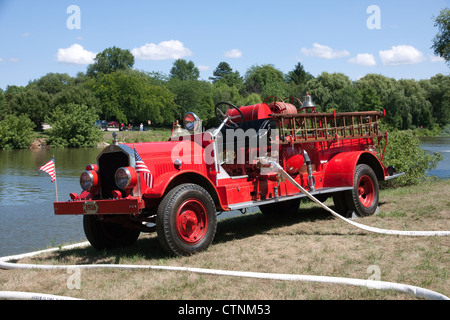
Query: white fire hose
[[274, 164], [371, 284]]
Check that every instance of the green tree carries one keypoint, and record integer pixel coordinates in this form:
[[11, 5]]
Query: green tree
[[184, 70], [78, 94], [441, 42], [347, 99], [370, 100], [437, 91], [195, 96], [73, 126], [34, 103], [325, 90], [222, 70], [418, 107], [2, 102], [111, 60], [52, 83], [298, 76], [224, 74], [131, 96], [266, 81], [16, 132], [391, 96], [224, 92]]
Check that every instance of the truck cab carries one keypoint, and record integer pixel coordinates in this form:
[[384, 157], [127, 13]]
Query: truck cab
[[177, 187]]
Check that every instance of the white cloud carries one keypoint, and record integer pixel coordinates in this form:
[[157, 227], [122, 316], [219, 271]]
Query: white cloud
[[1, 60], [364, 59], [402, 54], [325, 52], [234, 53], [14, 60], [165, 50], [75, 54]]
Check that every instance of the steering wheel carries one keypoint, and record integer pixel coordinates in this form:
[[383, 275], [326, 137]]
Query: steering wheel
[[222, 110]]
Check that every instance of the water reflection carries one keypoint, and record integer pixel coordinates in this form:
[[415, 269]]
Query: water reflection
[[441, 145], [27, 221]]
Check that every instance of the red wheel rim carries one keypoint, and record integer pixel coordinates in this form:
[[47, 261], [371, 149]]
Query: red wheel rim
[[366, 191], [191, 221]]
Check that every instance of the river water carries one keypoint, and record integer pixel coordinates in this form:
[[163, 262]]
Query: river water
[[27, 221]]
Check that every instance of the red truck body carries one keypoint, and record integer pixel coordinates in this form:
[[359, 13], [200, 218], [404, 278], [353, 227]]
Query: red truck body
[[177, 187]]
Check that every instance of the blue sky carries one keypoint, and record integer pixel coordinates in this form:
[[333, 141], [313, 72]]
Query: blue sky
[[38, 37]]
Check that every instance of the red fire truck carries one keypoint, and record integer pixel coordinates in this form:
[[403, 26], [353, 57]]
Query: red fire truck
[[257, 156]]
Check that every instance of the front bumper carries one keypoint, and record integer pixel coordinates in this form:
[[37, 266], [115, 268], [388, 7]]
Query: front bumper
[[99, 207]]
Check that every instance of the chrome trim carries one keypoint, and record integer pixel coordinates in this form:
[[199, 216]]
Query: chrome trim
[[127, 172], [395, 175]]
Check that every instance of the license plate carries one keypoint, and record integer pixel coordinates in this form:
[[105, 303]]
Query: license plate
[[90, 207]]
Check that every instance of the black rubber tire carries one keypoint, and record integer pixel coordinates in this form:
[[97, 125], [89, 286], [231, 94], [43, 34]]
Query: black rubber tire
[[169, 215], [107, 235], [365, 194], [284, 207]]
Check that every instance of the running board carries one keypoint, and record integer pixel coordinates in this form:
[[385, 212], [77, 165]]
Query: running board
[[250, 204]]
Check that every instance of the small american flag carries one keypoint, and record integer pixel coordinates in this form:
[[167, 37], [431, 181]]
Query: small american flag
[[50, 169], [142, 168]]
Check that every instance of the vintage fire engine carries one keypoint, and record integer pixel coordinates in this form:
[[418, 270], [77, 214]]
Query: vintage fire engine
[[257, 156]]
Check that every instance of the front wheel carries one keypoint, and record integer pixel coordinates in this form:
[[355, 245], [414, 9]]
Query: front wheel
[[186, 220]]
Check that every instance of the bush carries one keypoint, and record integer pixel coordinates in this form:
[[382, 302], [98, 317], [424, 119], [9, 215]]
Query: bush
[[405, 154], [16, 132], [73, 126]]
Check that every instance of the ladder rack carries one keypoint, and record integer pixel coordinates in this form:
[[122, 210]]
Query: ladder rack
[[317, 127]]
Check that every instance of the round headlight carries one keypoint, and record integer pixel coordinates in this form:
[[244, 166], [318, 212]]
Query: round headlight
[[88, 180], [126, 177]]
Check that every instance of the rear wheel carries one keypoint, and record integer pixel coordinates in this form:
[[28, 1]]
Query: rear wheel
[[107, 235], [363, 198], [186, 220], [365, 193]]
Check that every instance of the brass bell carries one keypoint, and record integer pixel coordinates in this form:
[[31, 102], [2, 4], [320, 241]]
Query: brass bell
[[307, 102], [178, 131]]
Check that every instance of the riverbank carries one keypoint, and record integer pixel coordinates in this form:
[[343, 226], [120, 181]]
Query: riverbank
[[310, 242], [156, 134]]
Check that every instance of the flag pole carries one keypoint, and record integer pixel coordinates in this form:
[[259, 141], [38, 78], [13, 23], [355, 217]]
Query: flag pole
[[138, 174], [56, 186]]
